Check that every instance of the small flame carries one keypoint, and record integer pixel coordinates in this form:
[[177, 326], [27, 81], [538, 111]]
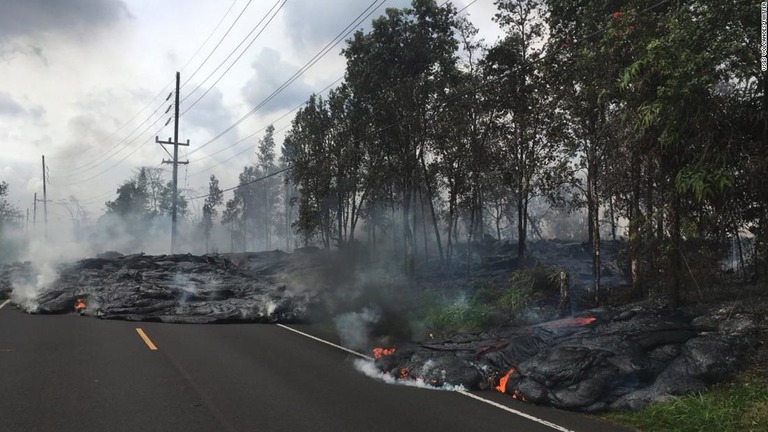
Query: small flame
[[502, 387], [381, 352], [79, 305], [518, 396], [570, 322], [584, 321]]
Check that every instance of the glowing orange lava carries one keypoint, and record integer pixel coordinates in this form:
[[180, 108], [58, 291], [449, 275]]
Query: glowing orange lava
[[79, 305], [502, 387], [404, 373], [584, 320], [381, 352], [570, 322]]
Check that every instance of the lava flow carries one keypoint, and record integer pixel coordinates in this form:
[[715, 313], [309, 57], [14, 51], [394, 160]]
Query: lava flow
[[80, 305], [381, 352], [570, 322], [502, 387]]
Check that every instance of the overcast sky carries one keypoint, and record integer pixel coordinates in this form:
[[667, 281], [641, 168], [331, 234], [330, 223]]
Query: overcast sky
[[84, 83]]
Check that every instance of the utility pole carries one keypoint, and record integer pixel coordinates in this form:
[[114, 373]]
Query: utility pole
[[34, 214], [45, 200], [175, 143]]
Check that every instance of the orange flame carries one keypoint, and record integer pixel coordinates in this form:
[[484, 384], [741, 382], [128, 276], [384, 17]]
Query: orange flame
[[79, 305], [381, 352], [570, 322], [584, 321], [502, 387]]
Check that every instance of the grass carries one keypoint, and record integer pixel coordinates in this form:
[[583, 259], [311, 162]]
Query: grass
[[739, 406], [486, 304]]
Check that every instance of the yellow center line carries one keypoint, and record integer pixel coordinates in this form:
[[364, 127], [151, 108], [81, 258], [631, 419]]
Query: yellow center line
[[146, 339]]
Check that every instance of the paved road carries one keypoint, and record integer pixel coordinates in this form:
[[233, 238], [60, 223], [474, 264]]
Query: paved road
[[72, 373]]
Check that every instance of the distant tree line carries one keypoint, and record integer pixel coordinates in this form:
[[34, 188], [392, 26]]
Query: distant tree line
[[649, 114]]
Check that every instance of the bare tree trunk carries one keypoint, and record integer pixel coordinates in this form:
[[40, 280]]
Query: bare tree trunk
[[613, 218], [677, 250], [469, 239], [741, 254], [430, 198], [408, 234], [451, 209], [424, 227], [634, 231], [522, 227]]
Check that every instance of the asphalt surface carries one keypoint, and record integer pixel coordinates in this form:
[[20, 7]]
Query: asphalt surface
[[73, 373]]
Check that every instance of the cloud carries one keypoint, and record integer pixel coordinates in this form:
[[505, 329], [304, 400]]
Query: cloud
[[29, 17], [9, 107], [271, 72], [315, 23], [209, 114]]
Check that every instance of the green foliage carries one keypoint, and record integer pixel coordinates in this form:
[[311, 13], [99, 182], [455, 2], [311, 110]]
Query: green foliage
[[487, 304], [737, 407], [9, 219], [703, 183]]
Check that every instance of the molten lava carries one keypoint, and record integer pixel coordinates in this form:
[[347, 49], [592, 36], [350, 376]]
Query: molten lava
[[502, 387], [79, 305], [570, 322], [584, 320], [381, 352]]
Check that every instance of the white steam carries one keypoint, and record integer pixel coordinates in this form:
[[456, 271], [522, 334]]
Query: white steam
[[368, 368], [354, 328]]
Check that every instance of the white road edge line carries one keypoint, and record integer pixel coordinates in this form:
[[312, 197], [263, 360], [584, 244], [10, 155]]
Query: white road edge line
[[462, 392], [2, 305], [325, 342], [514, 411]]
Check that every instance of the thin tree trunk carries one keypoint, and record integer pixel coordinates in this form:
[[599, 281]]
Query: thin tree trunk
[[424, 227], [408, 235], [522, 224], [430, 198], [741, 254], [677, 250], [613, 218]]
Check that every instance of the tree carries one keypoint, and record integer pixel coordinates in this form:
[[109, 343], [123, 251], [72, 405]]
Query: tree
[[531, 160], [214, 199], [9, 214], [9, 219], [686, 55], [399, 70], [267, 189]]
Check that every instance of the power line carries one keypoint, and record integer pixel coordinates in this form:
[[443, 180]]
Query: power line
[[218, 43], [158, 94], [232, 52], [121, 160], [255, 133], [209, 36], [118, 148], [246, 183], [589, 36], [363, 16]]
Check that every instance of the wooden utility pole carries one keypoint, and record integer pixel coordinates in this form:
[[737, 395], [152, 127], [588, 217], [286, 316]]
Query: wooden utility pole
[[175, 162], [45, 199]]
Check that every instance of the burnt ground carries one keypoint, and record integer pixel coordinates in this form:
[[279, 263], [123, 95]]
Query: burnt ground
[[621, 357]]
